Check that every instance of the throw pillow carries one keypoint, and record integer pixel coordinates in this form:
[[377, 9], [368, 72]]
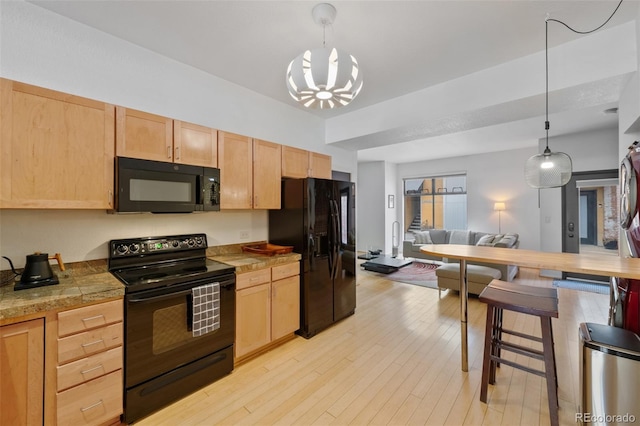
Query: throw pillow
[[422, 237], [486, 240], [460, 237]]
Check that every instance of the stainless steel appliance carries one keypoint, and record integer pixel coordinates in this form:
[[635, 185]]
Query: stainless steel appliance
[[609, 375], [163, 360], [159, 187], [317, 218]]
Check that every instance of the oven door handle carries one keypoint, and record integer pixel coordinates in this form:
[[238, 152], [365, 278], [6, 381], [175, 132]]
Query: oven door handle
[[161, 297]]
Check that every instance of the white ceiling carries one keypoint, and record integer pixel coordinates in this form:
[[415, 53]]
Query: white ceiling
[[401, 46]]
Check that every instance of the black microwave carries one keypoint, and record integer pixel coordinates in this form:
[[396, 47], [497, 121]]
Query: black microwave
[[160, 187]]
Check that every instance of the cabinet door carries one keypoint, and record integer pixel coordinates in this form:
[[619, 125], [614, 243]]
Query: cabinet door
[[235, 159], [295, 162], [56, 149], [22, 367], [143, 135], [253, 318], [267, 173], [194, 144], [285, 306], [319, 165]]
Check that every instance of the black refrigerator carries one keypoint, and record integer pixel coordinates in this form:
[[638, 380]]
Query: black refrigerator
[[317, 218]]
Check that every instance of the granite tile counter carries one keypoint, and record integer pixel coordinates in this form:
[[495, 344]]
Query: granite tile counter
[[247, 262], [81, 283]]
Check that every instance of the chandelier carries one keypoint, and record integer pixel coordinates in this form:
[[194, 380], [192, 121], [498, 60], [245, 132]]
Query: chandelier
[[325, 77]]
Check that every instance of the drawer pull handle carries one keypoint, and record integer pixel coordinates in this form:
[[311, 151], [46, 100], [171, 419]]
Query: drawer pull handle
[[93, 318], [92, 369], [91, 406], [84, 345]]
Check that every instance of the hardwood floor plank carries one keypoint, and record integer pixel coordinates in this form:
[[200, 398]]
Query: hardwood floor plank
[[396, 362]]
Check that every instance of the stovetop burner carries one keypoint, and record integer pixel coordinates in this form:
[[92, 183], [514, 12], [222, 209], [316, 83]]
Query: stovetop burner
[[150, 262]]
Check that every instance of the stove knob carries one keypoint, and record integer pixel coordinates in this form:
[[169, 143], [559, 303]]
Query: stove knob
[[199, 241], [190, 242], [175, 243], [122, 249], [133, 248]]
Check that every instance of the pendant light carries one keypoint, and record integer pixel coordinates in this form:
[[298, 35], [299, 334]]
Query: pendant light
[[549, 169], [552, 169], [325, 77]]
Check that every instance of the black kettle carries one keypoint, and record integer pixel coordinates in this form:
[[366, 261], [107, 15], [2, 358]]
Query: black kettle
[[37, 272], [37, 268]]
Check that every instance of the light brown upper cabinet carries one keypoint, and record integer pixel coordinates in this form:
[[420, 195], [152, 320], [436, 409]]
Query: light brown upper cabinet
[[299, 163], [249, 172], [236, 171], [194, 144], [319, 165], [153, 137], [57, 149], [267, 157]]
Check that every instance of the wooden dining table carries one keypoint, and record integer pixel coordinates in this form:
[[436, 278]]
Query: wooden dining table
[[594, 264]]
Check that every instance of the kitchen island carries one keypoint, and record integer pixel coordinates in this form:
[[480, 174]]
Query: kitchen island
[[568, 262]]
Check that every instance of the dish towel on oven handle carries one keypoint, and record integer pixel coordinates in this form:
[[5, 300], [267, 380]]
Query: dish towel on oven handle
[[206, 308]]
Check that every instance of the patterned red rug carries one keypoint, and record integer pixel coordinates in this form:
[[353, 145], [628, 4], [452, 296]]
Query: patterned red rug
[[418, 273]]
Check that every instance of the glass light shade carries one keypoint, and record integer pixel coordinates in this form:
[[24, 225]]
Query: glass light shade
[[499, 206], [548, 170], [324, 78]]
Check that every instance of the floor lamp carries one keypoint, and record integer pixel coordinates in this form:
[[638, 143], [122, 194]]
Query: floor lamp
[[499, 207]]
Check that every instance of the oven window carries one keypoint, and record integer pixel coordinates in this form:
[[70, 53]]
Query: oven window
[[160, 190], [171, 328]]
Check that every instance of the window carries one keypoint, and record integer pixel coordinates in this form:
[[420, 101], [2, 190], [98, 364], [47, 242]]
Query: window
[[435, 203]]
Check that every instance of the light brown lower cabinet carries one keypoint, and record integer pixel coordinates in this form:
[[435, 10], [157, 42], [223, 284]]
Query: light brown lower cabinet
[[22, 373], [89, 364], [267, 307]]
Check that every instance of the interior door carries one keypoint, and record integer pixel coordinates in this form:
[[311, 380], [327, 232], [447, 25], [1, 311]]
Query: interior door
[[590, 216]]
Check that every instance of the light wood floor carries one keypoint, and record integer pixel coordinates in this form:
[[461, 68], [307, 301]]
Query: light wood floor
[[395, 362]]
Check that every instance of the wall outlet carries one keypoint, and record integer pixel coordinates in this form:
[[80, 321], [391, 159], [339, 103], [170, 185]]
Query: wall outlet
[[244, 235]]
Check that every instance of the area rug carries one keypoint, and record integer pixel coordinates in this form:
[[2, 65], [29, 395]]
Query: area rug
[[418, 273], [582, 286]]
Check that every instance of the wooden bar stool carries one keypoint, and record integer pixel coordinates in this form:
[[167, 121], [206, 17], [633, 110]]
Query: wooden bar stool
[[537, 301]]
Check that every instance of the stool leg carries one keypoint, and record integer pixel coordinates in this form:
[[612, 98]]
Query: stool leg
[[486, 360], [495, 337], [550, 369]]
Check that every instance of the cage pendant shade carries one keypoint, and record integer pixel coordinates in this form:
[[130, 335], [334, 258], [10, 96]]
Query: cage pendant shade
[[548, 170], [324, 78]]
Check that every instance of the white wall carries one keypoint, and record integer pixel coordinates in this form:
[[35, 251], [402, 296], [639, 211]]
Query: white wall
[[390, 186], [371, 206], [45, 49], [490, 178]]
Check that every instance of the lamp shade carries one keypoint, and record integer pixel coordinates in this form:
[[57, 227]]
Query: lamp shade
[[499, 207], [324, 78], [548, 170]]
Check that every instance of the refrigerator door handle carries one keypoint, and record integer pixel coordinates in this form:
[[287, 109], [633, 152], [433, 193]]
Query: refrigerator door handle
[[312, 251], [331, 248], [336, 238]]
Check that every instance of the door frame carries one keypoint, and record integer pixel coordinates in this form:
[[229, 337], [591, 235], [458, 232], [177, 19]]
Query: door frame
[[570, 215]]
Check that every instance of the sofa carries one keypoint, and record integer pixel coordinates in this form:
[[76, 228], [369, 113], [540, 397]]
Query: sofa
[[411, 247]]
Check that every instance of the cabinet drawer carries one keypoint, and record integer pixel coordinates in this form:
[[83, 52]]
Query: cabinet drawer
[[283, 271], [89, 342], [88, 317], [249, 279], [93, 402], [89, 368]]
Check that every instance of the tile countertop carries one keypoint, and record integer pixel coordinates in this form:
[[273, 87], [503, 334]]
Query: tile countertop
[[81, 283], [88, 282]]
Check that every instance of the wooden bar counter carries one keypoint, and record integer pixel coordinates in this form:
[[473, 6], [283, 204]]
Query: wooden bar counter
[[568, 262]]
